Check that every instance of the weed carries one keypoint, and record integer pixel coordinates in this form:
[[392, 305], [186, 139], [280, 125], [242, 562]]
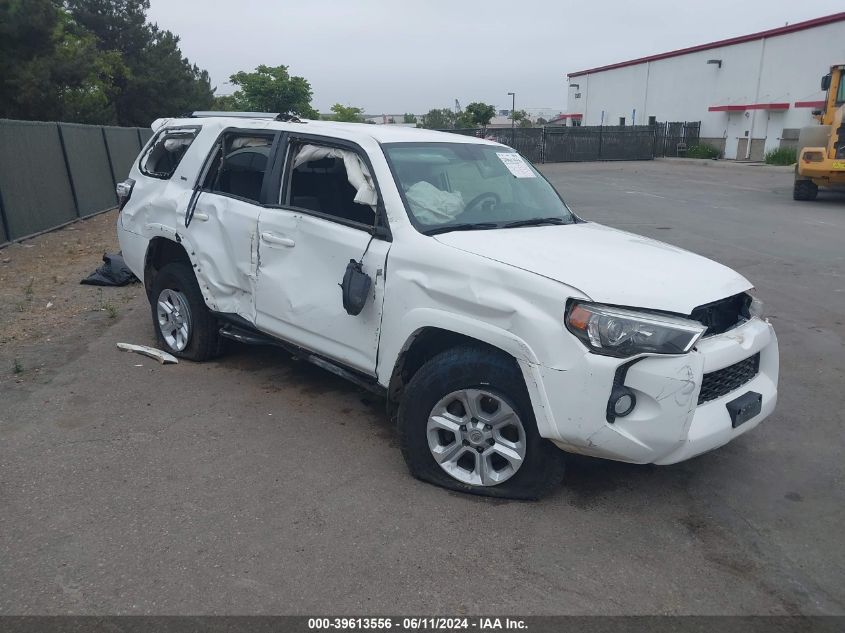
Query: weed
[[17, 367], [702, 151], [110, 309], [781, 156], [28, 291]]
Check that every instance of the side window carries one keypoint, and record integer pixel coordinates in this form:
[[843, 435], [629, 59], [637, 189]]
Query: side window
[[166, 151], [238, 165], [332, 181]]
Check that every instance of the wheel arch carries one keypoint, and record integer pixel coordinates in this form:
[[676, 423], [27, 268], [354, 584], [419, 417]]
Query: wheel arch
[[160, 252], [443, 332]]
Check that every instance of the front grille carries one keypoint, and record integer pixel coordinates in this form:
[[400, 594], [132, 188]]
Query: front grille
[[724, 314], [717, 383]]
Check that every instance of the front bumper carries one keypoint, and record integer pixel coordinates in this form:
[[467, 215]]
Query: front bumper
[[667, 425]]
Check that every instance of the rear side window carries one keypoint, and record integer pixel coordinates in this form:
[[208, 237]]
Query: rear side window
[[166, 151], [238, 164]]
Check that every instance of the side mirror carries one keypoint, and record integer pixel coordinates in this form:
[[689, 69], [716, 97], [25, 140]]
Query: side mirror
[[826, 82], [355, 288]]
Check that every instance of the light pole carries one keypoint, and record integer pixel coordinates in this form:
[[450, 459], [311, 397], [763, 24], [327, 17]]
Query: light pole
[[513, 121]]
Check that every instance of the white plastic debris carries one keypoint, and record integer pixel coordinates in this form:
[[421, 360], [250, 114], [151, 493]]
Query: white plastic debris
[[162, 357]]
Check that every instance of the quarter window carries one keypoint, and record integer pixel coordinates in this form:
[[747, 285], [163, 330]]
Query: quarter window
[[238, 165], [166, 151]]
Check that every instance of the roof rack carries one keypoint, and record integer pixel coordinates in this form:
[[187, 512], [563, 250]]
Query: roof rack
[[276, 116]]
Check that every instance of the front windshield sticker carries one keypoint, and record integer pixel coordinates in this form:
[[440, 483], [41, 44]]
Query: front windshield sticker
[[516, 165]]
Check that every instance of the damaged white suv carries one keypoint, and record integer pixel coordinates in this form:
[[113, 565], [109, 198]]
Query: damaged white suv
[[447, 274]]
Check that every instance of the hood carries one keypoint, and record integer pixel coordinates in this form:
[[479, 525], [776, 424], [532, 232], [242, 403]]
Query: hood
[[607, 265]]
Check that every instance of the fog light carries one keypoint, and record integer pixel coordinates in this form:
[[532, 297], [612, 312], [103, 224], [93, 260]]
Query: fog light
[[622, 401]]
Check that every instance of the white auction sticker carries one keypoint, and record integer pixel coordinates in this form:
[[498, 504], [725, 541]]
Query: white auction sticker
[[516, 164]]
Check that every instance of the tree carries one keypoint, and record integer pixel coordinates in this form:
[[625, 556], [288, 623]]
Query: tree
[[163, 84], [518, 116], [480, 113], [225, 103], [273, 89], [349, 114], [541, 121], [464, 121], [158, 80], [409, 118], [51, 66], [438, 119]]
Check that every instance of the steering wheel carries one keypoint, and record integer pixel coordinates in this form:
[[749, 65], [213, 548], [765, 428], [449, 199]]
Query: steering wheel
[[476, 201]]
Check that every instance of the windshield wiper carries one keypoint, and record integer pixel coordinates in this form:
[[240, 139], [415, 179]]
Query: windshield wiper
[[480, 226], [535, 222]]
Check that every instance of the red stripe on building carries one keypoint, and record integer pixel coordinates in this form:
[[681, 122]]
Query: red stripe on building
[[810, 104], [783, 30], [749, 106]]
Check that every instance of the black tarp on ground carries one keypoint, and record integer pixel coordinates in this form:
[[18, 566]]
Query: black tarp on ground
[[113, 272]]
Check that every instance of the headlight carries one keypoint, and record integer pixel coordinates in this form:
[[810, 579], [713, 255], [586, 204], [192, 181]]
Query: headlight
[[622, 333]]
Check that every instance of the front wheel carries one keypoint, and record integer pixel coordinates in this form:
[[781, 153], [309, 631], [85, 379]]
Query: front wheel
[[183, 324], [466, 423], [805, 190]]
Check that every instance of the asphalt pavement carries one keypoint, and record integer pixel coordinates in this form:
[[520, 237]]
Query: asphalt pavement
[[258, 484]]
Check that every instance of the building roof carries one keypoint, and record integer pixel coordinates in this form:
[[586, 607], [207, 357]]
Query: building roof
[[783, 30], [561, 117]]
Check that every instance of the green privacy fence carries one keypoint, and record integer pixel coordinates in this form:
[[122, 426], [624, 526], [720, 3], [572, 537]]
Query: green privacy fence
[[55, 173]]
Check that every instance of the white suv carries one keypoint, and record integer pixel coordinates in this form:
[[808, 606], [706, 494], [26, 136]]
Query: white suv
[[445, 273]]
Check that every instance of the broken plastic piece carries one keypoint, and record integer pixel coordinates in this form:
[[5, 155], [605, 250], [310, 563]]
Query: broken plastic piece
[[160, 356]]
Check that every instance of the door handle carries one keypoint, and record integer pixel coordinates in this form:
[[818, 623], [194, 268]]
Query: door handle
[[272, 238], [199, 215]]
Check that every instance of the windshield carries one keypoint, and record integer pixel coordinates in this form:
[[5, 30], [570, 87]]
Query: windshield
[[465, 186]]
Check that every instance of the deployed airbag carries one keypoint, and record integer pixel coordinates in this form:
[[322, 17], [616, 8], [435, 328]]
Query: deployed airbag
[[356, 170], [432, 205]]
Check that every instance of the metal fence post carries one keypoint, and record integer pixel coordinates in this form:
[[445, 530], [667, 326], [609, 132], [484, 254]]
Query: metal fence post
[[4, 221], [601, 132], [543, 146], [67, 169], [108, 156]]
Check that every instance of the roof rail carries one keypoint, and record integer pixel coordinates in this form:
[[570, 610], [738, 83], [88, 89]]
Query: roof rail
[[276, 116], [202, 114]]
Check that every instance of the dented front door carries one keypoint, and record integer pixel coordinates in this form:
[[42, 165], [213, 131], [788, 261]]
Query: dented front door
[[223, 233], [302, 259]]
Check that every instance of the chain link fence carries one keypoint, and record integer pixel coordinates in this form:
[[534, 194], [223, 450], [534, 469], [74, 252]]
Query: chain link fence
[[558, 144], [52, 174]]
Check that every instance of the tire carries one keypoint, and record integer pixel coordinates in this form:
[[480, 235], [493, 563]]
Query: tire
[[175, 286], [805, 190], [490, 384]]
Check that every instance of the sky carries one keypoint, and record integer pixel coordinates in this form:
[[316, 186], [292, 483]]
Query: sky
[[390, 57]]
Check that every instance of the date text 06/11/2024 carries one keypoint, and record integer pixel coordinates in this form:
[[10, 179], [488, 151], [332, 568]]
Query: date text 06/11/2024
[[417, 624]]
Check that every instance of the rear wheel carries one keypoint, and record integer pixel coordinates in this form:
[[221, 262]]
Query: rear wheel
[[183, 324], [466, 423], [805, 190]]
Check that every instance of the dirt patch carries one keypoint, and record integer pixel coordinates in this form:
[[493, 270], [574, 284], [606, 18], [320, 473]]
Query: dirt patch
[[41, 299]]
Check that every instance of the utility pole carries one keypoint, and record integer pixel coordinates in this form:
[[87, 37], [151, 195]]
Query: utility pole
[[513, 121]]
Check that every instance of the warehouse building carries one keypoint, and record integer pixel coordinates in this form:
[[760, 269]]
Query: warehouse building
[[761, 87]]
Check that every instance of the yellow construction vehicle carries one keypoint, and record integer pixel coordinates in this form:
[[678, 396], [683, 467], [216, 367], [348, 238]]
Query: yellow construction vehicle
[[821, 148]]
